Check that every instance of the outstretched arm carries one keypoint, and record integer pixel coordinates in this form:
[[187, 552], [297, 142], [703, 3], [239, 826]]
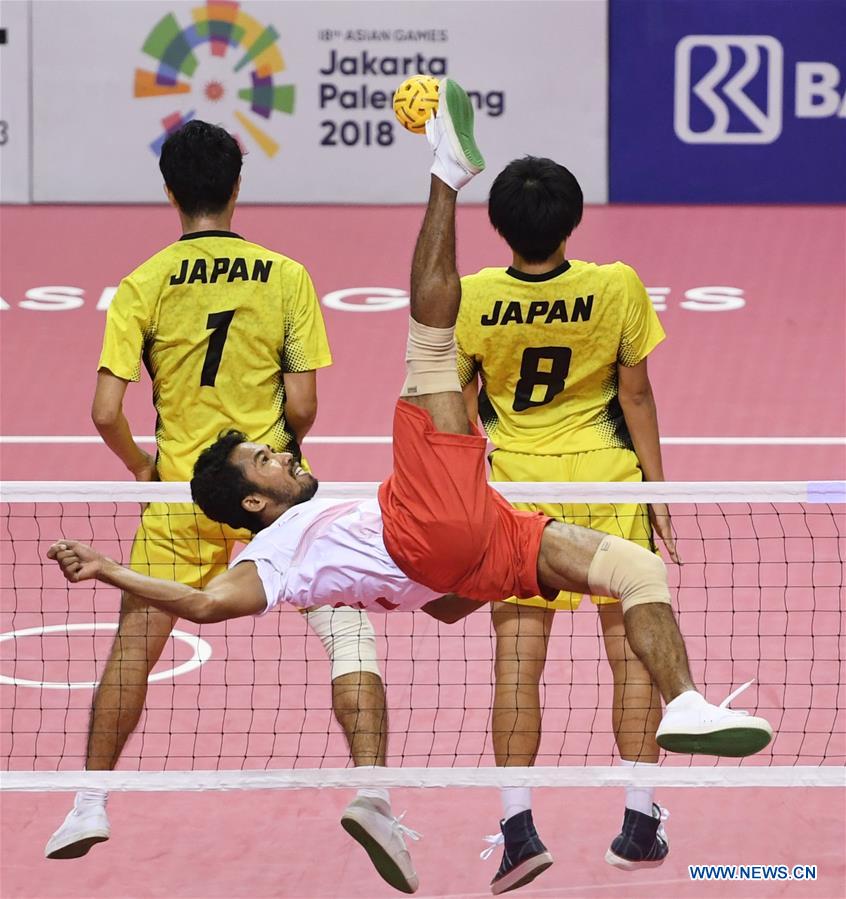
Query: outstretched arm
[[233, 594]]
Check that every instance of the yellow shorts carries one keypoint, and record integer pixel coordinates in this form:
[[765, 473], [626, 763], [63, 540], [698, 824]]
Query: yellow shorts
[[609, 465], [175, 541]]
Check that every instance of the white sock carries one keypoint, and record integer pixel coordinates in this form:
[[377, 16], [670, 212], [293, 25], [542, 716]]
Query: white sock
[[690, 699], [91, 797], [374, 793], [639, 799], [515, 800]]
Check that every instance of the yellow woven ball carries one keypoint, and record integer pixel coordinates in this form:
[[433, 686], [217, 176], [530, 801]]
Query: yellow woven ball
[[415, 100]]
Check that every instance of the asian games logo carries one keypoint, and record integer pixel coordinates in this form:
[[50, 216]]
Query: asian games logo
[[196, 61]]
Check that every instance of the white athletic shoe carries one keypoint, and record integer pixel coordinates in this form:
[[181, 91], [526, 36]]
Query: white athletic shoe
[[450, 134], [694, 725], [371, 823], [85, 825]]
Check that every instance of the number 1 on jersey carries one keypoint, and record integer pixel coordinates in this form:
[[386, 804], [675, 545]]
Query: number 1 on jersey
[[218, 323], [553, 376]]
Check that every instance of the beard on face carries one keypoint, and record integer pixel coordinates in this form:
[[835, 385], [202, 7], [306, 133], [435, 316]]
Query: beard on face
[[309, 486], [301, 492]]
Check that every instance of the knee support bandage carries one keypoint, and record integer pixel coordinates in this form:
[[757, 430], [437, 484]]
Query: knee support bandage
[[631, 573], [430, 360], [348, 638]]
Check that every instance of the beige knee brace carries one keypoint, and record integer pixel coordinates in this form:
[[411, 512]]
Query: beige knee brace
[[348, 637], [631, 573], [430, 360]]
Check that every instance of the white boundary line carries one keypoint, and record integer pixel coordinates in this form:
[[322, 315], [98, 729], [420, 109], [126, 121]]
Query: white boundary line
[[352, 778], [587, 492], [201, 652], [350, 439]]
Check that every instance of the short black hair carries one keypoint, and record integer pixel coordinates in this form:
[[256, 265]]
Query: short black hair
[[219, 486], [535, 204], [201, 163]]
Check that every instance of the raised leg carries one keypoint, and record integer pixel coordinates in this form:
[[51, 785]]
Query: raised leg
[[573, 558], [432, 381], [567, 552], [435, 297]]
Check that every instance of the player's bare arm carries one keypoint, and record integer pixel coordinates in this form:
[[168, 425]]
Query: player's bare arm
[[300, 402], [471, 399], [638, 404], [233, 594], [112, 426]]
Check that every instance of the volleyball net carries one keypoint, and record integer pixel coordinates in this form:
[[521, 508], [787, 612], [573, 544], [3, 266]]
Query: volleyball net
[[247, 703]]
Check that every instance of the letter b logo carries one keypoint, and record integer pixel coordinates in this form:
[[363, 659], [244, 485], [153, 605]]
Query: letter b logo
[[757, 120]]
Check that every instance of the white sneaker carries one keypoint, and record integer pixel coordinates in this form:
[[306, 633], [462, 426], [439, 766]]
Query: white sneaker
[[371, 823], [695, 726], [85, 825], [450, 134]]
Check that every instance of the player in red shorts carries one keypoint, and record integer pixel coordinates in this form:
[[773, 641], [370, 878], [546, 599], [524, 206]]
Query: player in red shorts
[[437, 528]]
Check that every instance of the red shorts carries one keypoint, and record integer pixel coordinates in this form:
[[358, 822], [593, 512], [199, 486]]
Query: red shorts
[[444, 526]]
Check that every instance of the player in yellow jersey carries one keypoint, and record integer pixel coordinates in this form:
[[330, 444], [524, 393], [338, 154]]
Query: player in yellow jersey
[[560, 347], [231, 333]]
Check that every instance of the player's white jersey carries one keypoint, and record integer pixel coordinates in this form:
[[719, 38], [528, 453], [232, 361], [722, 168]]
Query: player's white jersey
[[331, 552]]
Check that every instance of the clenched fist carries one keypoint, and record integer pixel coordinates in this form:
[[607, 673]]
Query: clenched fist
[[78, 561]]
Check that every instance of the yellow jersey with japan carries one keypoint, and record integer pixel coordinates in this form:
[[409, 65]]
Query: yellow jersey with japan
[[216, 320], [546, 348]]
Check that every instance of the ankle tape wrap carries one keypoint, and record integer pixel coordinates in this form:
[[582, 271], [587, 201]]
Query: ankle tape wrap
[[430, 361], [631, 573]]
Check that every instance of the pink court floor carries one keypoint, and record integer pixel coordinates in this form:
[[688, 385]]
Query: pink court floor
[[751, 385]]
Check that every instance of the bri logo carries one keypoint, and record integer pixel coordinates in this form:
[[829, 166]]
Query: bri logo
[[203, 61], [729, 89]]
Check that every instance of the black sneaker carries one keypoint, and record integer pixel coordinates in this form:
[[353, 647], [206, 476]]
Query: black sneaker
[[524, 856], [642, 843]]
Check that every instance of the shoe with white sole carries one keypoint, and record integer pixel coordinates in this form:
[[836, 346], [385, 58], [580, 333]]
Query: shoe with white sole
[[85, 825], [450, 134], [642, 843], [691, 724], [371, 823]]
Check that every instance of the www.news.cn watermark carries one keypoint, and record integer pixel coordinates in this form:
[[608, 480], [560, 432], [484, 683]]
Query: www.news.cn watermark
[[752, 872]]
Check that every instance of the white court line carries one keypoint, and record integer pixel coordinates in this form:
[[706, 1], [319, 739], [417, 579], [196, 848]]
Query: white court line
[[351, 439], [201, 653]]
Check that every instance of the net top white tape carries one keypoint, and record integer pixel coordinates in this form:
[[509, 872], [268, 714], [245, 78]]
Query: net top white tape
[[589, 492], [357, 778]]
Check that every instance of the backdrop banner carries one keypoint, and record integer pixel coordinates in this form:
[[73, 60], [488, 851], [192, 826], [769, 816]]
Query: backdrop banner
[[14, 102], [736, 101], [307, 89]]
